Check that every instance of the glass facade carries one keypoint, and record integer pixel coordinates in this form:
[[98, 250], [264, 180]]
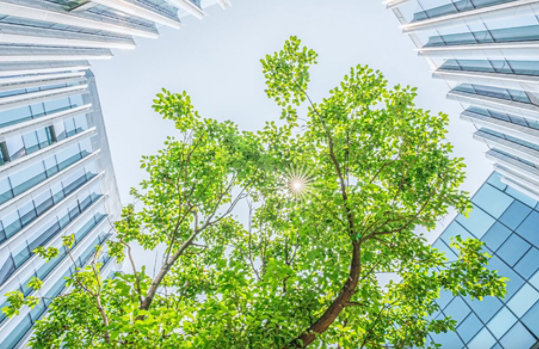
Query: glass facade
[[56, 176], [508, 223], [55, 179], [487, 51]]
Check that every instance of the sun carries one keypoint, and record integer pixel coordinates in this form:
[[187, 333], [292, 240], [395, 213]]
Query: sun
[[297, 181]]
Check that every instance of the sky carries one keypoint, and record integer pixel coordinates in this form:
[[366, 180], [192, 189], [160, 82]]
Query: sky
[[216, 60]]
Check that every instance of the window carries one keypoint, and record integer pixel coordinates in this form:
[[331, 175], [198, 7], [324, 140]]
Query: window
[[447, 340], [496, 235], [469, 327], [492, 200], [482, 340], [513, 249], [18, 333], [486, 308], [457, 309], [478, 221], [530, 319], [518, 337], [528, 265], [523, 300], [515, 214], [528, 229], [515, 281], [4, 154], [28, 177]]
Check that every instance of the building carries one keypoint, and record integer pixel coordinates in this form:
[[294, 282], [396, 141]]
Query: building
[[508, 223], [56, 178], [56, 175], [488, 53]]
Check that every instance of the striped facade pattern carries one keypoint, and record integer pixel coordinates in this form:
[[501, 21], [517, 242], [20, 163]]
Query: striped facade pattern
[[56, 175], [488, 53]]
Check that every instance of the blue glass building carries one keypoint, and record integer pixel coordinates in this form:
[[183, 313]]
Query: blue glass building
[[508, 223], [56, 175]]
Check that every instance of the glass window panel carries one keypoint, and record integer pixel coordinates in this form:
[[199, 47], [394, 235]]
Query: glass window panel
[[482, 340], [501, 322], [530, 319], [530, 32], [449, 254], [534, 280], [515, 281], [529, 228], [37, 311], [528, 265], [64, 218], [27, 213], [469, 327], [492, 200], [43, 137], [81, 123], [58, 192], [486, 308], [86, 147], [457, 309], [76, 100], [14, 116], [478, 221], [476, 65], [525, 67], [45, 236], [17, 333], [37, 109], [69, 126], [21, 256], [27, 178], [5, 190], [523, 300], [515, 214], [73, 210], [60, 130], [15, 147], [447, 340], [451, 64], [445, 298], [513, 249], [43, 201], [496, 235], [6, 269], [502, 66], [30, 142], [68, 156], [518, 337], [454, 229], [11, 223], [56, 105]]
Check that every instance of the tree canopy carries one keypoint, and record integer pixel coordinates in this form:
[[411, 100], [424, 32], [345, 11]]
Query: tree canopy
[[332, 196]]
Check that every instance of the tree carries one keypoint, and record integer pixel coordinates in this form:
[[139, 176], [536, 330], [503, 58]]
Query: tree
[[334, 200]]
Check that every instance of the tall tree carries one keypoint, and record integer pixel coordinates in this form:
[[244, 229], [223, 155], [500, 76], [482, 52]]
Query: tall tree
[[334, 200]]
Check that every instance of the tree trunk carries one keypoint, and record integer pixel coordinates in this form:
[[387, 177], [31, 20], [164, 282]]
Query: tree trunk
[[337, 306]]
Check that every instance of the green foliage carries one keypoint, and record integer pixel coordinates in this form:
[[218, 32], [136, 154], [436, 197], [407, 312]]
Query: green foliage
[[47, 253], [299, 271]]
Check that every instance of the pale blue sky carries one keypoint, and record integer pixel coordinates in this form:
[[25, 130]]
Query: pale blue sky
[[217, 61]]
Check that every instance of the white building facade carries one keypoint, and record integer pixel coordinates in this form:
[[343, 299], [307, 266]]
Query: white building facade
[[488, 53], [56, 175]]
